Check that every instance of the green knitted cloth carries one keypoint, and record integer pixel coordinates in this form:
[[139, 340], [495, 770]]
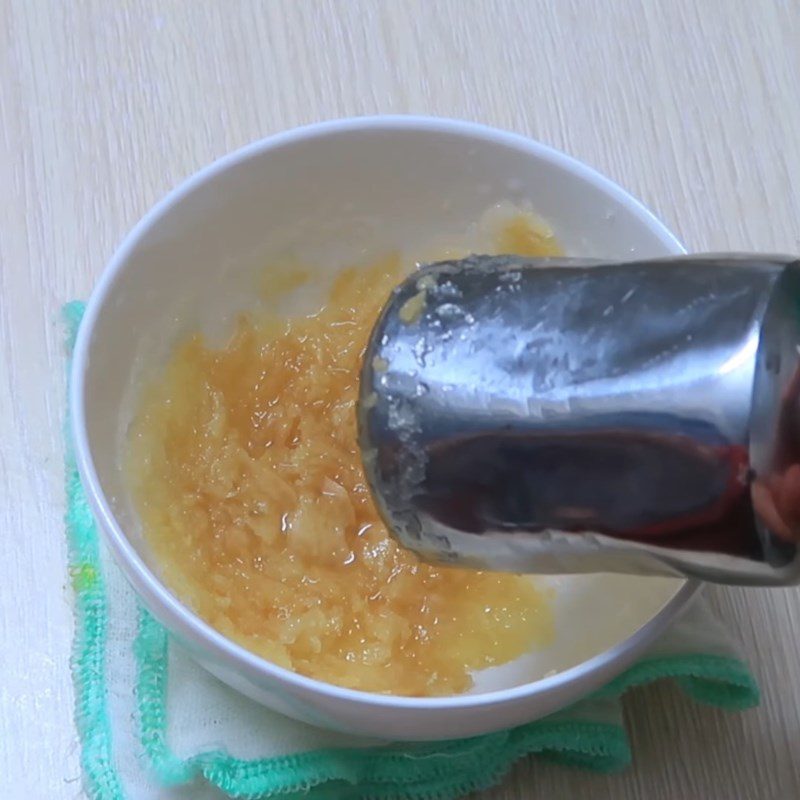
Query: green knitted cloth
[[590, 735]]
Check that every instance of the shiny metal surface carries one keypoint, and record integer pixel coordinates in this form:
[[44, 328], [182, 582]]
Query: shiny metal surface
[[568, 416]]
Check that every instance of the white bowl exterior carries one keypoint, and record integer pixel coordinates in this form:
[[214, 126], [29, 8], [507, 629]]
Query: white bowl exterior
[[335, 193]]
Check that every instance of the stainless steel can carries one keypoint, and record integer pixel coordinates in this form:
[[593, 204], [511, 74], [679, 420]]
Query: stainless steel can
[[561, 415]]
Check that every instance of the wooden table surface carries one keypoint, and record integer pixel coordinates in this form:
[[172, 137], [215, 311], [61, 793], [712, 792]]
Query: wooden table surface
[[104, 106]]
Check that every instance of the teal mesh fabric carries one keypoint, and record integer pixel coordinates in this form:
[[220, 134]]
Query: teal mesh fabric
[[424, 771]]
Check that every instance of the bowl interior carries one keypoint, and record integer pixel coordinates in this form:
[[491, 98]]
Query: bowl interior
[[333, 195]]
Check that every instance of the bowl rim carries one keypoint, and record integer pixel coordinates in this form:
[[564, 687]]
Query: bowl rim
[[150, 588]]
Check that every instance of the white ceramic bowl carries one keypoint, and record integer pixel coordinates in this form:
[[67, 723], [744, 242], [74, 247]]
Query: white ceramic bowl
[[337, 191]]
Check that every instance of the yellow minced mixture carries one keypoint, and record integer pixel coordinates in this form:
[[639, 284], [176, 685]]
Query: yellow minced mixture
[[247, 476]]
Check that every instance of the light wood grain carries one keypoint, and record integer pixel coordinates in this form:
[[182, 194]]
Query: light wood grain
[[104, 106]]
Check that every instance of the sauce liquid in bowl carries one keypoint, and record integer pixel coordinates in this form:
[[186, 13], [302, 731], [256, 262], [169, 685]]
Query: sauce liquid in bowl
[[247, 477]]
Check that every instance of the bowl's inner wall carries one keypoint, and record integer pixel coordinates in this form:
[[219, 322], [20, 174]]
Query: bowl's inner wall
[[337, 200]]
